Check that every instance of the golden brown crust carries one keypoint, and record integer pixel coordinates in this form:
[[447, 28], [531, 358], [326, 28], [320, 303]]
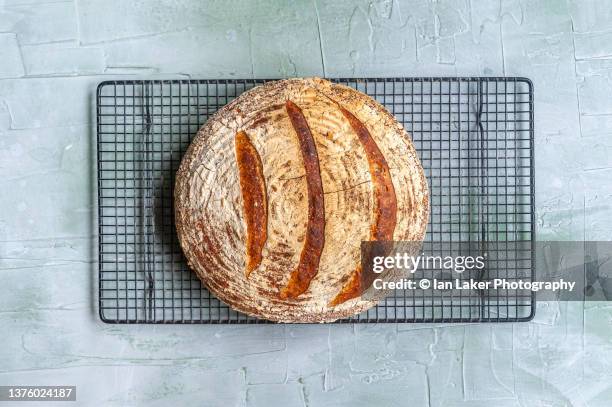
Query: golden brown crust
[[255, 203], [208, 200], [315, 230], [385, 203]]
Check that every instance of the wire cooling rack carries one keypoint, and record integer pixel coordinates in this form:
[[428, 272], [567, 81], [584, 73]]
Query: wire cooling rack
[[475, 141]]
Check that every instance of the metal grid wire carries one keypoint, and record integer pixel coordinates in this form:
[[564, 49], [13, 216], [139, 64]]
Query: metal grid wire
[[475, 141]]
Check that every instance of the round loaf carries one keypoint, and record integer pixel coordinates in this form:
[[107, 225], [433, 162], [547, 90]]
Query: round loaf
[[279, 188]]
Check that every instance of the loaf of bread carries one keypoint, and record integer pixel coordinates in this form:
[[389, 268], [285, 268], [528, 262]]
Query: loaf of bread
[[280, 187]]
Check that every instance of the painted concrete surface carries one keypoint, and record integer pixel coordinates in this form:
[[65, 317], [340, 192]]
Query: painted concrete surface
[[54, 52]]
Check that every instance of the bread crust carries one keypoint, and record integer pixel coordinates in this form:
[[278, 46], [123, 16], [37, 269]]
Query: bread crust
[[254, 199], [208, 201]]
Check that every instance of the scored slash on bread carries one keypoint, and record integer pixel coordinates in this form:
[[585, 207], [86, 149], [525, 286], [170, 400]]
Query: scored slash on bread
[[335, 168], [308, 267], [254, 199], [385, 203]]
